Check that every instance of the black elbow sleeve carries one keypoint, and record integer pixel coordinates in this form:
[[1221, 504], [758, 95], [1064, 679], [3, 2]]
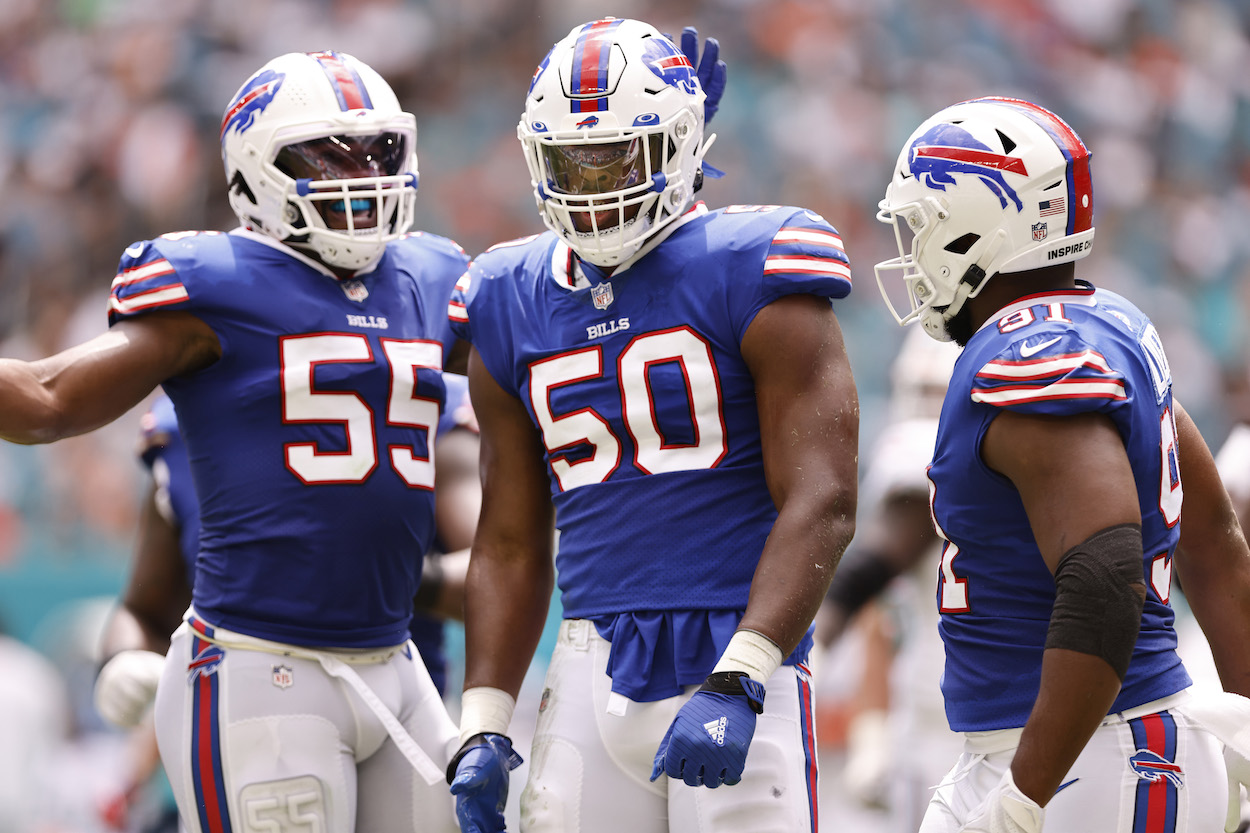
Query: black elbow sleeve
[[1099, 594]]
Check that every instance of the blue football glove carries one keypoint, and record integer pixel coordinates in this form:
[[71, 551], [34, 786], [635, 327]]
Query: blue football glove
[[479, 780], [710, 71], [707, 743]]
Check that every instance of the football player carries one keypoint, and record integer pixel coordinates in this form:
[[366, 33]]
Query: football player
[[1056, 486], [158, 588], [669, 382], [303, 352]]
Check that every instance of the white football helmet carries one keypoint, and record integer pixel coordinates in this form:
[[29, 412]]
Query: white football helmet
[[319, 155], [613, 136], [984, 187]]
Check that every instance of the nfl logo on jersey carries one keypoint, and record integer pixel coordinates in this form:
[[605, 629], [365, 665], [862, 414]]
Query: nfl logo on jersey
[[1039, 231], [355, 290], [283, 676], [601, 295]]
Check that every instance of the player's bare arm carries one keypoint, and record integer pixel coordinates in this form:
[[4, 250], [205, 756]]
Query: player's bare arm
[[1212, 561], [93, 383], [809, 426], [1074, 479], [157, 592], [506, 602]]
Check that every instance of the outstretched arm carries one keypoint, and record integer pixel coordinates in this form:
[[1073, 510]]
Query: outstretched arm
[[92, 384]]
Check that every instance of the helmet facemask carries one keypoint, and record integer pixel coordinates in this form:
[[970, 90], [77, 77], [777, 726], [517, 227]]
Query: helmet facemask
[[330, 174]]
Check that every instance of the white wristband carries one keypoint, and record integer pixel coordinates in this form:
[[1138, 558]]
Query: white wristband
[[752, 653], [485, 709]]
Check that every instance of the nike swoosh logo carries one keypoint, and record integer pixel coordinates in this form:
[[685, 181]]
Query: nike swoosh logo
[[1027, 350], [1068, 784]]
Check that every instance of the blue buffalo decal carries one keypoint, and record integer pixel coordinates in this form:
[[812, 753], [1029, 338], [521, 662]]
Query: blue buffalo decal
[[948, 149], [538, 73], [670, 65], [251, 101]]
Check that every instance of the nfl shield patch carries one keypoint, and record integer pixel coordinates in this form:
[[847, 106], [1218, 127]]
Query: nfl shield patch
[[601, 295], [355, 290], [283, 676], [1039, 231]]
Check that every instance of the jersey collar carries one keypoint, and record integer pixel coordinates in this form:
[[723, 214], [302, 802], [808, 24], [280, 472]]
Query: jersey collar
[[1082, 294], [570, 273]]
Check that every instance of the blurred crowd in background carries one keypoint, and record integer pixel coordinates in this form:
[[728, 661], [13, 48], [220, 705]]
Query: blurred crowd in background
[[110, 113]]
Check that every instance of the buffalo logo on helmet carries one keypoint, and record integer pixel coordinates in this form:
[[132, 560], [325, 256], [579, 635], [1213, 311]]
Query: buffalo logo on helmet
[[670, 65], [251, 101], [947, 149], [538, 72]]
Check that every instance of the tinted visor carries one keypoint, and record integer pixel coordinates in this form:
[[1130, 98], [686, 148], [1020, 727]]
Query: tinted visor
[[344, 157], [602, 168]]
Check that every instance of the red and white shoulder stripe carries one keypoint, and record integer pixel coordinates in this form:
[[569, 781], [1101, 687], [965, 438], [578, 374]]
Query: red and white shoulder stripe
[[153, 284], [809, 251], [1077, 375], [456, 309]]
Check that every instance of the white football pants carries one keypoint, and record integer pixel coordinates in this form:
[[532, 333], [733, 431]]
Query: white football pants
[[593, 752], [256, 736]]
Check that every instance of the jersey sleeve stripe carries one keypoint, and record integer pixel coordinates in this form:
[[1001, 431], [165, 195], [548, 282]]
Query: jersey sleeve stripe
[[1062, 389], [142, 273], [160, 297], [804, 265], [1037, 369], [456, 311], [814, 237]]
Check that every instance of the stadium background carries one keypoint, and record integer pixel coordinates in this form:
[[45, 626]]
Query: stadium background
[[110, 109]]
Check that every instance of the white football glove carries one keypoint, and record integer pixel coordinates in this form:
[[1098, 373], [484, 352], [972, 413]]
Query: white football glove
[[1005, 810], [1238, 774], [126, 686]]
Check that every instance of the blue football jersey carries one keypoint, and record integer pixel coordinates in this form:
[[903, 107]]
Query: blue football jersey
[[1070, 352], [646, 406], [310, 440]]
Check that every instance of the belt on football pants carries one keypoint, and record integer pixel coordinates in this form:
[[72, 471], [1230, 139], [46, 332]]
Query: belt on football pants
[[336, 664]]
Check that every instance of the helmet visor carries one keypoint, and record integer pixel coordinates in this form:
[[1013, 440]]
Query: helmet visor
[[591, 169], [355, 164], [344, 157]]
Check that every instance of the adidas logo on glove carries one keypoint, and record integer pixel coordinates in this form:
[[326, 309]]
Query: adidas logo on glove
[[716, 729]]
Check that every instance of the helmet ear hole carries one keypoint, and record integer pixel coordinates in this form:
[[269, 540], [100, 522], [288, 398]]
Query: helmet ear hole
[[961, 245]]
